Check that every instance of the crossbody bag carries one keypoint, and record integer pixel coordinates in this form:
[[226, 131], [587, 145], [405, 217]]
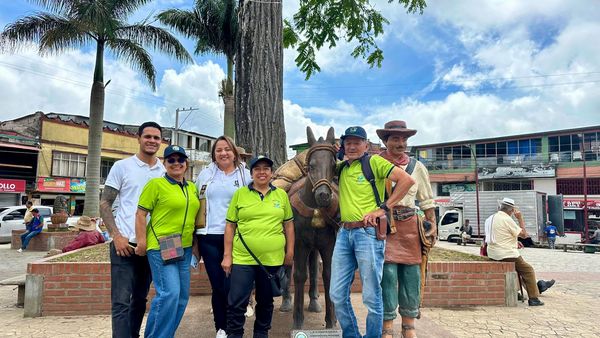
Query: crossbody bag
[[171, 246], [274, 279]]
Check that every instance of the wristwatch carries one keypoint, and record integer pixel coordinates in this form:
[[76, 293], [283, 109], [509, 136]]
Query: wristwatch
[[384, 207]]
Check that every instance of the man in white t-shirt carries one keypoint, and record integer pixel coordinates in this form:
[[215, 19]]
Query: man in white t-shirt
[[503, 246], [130, 274]]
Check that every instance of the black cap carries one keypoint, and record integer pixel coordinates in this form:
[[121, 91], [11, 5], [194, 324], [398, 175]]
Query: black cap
[[260, 158], [173, 149], [356, 132]]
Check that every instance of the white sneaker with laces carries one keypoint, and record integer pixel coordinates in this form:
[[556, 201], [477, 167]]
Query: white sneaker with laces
[[221, 334], [20, 250]]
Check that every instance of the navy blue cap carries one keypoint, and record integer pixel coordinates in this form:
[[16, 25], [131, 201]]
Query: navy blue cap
[[173, 149], [259, 158], [356, 132]]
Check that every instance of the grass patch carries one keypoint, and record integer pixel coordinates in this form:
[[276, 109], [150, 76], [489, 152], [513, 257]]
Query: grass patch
[[444, 255], [101, 253], [97, 253]]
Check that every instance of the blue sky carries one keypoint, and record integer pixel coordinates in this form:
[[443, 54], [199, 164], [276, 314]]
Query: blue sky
[[463, 69]]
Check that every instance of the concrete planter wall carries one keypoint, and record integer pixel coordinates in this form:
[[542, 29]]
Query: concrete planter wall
[[44, 241], [58, 288]]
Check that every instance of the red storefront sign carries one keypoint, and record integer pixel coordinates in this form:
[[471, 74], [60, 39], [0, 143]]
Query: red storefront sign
[[54, 184], [12, 185], [577, 203]]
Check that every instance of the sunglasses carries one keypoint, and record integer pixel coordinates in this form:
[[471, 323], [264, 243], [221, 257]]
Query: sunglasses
[[179, 160]]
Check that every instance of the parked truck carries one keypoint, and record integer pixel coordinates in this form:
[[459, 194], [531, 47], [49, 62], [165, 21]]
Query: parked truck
[[536, 207]]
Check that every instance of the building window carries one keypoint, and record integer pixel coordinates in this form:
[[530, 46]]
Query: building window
[[504, 185], [204, 145], [68, 164], [574, 186], [510, 152], [105, 166], [567, 148]]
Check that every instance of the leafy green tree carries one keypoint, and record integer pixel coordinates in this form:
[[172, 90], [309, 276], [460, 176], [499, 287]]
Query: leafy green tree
[[214, 26], [322, 23], [103, 24]]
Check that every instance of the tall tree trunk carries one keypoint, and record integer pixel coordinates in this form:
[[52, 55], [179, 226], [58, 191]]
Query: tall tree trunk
[[92, 189], [259, 80], [229, 101]]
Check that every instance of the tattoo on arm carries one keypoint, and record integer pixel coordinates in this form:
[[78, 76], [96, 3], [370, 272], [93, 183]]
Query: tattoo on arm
[[106, 201]]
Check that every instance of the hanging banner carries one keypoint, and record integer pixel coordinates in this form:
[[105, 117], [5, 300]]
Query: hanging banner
[[78, 185], [520, 171], [54, 184]]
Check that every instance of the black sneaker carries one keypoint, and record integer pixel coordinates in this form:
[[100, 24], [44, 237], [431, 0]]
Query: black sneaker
[[535, 302], [545, 285]]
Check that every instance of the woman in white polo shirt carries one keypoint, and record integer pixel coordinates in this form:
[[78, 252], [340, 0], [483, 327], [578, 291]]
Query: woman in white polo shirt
[[217, 183]]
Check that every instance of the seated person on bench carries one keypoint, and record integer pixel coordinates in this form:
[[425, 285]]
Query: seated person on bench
[[595, 239], [466, 231]]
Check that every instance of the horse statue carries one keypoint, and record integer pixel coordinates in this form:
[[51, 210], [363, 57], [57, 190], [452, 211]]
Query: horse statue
[[314, 200]]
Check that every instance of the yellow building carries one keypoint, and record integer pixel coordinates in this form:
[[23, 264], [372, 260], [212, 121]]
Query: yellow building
[[62, 141]]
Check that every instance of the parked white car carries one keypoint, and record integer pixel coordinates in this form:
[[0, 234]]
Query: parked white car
[[12, 218]]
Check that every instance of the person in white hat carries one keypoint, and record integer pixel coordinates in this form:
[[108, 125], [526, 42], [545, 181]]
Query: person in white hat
[[88, 235], [503, 246]]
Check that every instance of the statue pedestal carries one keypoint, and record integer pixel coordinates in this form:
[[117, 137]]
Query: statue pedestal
[[58, 227], [331, 333]]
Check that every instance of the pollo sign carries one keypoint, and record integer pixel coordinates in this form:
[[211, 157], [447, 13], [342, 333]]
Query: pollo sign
[[12, 185]]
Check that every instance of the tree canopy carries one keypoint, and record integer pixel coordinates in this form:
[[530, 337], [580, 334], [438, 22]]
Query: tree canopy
[[322, 23]]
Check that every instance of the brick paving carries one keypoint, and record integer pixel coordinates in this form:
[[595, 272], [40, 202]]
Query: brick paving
[[569, 310]]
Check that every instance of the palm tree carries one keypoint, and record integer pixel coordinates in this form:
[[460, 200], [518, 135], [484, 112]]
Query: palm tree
[[78, 23], [214, 26]]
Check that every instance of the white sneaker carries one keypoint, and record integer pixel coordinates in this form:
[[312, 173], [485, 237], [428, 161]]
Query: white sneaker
[[221, 334], [249, 311], [20, 250]]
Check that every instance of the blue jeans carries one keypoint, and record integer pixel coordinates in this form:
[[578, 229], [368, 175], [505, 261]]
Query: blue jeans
[[27, 236], [172, 285], [358, 248]]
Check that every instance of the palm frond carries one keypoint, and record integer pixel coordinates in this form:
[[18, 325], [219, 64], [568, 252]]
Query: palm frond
[[123, 8], [57, 6], [30, 28], [185, 22], [134, 54], [157, 38], [66, 34]]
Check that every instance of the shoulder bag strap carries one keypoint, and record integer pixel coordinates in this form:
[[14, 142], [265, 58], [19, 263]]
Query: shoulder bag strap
[[187, 204], [365, 163], [253, 255], [411, 166]]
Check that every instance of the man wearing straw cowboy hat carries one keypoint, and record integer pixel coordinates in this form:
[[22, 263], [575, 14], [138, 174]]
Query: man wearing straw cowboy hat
[[88, 235], [401, 282]]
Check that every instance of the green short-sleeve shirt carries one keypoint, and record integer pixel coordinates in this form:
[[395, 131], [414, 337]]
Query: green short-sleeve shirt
[[260, 220], [169, 205], [356, 193]]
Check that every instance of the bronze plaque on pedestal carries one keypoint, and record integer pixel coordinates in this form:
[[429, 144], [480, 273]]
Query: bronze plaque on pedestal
[[316, 334]]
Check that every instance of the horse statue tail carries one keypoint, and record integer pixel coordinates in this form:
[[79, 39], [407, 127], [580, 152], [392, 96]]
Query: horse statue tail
[[290, 172]]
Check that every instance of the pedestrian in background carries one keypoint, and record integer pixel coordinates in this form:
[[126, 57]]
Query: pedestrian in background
[[34, 228], [259, 239], [216, 185], [129, 273], [551, 233], [172, 204]]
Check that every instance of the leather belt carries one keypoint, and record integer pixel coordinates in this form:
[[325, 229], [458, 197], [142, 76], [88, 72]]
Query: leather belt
[[402, 214], [354, 225]]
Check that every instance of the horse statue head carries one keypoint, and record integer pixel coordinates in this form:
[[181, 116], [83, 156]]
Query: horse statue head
[[320, 166]]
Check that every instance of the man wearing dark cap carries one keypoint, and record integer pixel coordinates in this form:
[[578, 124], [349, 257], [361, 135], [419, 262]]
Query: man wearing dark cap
[[403, 256], [357, 245]]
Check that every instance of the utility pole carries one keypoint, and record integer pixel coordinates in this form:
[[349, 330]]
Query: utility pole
[[174, 139]]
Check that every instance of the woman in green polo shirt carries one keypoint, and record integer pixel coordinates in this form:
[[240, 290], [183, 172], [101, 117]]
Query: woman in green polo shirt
[[260, 215], [172, 203]]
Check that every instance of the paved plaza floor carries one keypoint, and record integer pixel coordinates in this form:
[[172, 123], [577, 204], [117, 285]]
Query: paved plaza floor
[[570, 309]]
